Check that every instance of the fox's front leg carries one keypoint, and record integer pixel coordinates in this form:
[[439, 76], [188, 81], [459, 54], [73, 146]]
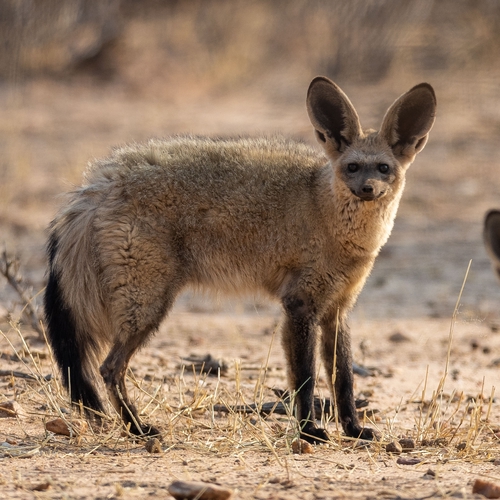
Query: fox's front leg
[[340, 377], [299, 342]]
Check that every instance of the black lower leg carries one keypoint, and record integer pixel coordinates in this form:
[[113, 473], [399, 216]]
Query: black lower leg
[[299, 341], [130, 415], [346, 405], [113, 372], [341, 376]]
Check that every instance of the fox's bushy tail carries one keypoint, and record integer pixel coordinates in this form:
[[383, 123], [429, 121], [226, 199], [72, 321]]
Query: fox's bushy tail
[[73, 306]]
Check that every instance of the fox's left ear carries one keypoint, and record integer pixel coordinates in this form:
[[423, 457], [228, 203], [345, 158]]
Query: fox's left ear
[[407, 123]]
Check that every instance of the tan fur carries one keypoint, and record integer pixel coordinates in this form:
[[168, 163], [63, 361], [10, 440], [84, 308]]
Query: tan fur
[[238, 216]]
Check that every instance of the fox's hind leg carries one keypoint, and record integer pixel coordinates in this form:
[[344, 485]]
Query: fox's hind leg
[[143, 319], [143, 283], [113, 371]]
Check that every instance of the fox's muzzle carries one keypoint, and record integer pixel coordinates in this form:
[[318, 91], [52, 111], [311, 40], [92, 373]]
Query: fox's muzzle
[[368, 192]]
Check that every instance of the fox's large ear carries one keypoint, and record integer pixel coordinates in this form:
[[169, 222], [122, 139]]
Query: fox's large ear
[[332, 115], [491, 235], [407, 123]]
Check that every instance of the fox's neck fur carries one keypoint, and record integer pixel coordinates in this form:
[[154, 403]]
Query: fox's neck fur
[[359, 227]]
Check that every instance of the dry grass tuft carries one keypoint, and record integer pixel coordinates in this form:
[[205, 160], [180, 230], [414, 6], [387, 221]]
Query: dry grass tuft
[[449, 427]]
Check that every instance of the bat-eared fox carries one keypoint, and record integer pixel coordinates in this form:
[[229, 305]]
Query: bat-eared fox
[[236, 216]]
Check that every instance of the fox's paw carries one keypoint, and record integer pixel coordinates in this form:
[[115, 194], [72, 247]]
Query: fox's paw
[[314, 435], [364, 433], [150, 431], [146, 431]]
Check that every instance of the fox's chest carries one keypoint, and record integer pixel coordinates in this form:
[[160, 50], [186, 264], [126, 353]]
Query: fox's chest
[[355, 246], [363, 228], [362, 242]]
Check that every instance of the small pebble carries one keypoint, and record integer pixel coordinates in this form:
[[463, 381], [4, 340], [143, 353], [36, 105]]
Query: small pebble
[[398, 337], [59, 426], [183, 490], [394, 447], [486, 488], [430, 473], [153, 445], [407, 444], [300, 447], [408, 461], [11, 409], [41, 486]]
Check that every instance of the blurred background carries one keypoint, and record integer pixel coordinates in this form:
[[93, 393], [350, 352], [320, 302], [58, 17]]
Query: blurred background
[[78, 77]]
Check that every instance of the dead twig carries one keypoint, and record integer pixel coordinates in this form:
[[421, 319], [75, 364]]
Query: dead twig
[[282, 407], [28, 376], [9, 268], [206, 364]]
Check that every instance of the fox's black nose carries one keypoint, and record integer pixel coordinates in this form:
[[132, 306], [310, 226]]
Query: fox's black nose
[[367, 192]]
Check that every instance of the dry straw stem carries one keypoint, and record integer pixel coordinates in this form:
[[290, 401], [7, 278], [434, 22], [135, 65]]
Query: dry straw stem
[[334, 374], [435, 410], [452, 326]]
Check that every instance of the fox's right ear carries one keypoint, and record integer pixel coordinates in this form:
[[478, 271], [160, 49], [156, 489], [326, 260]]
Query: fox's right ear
[[491, 235], [407, 123], [332, 115]]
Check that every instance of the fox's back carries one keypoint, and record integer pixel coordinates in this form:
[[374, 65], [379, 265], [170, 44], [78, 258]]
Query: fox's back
[[202, 164], [230, 207]]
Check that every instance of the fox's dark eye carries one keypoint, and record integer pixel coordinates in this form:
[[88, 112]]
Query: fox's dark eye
[[383, 168], [352, 167]]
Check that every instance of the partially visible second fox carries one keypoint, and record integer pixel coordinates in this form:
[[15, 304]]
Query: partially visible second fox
[[491, 235], [237, 216]]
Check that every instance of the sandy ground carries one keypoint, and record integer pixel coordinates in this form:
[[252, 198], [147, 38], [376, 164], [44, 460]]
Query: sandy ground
[[47, 133], [232, 452]]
